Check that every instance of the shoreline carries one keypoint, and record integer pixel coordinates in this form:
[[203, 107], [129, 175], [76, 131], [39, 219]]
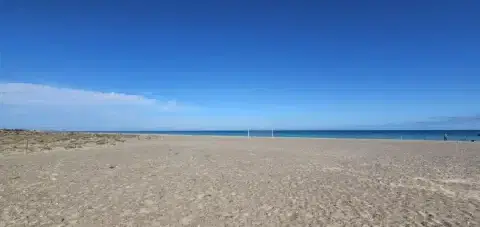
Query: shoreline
[[472, 135], [471, 138], [298, 138]]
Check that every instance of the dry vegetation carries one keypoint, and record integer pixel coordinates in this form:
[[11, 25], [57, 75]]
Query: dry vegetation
[[24, 141]]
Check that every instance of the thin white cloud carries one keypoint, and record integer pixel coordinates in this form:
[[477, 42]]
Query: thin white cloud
[[27, 105], [37, 94]]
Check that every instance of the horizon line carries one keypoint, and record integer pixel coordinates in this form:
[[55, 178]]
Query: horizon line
[[267, 130]]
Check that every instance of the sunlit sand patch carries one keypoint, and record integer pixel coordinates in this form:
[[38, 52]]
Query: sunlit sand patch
[[460, 181], [431, 189], [430, 185]]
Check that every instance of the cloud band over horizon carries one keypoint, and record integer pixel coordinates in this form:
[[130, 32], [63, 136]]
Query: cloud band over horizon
[[29, 105]]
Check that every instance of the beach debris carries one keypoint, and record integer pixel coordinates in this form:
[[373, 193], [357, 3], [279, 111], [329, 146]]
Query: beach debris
[[201, 196], [226, 215]]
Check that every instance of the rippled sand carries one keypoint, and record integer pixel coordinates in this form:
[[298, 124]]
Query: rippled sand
[[226, 181]]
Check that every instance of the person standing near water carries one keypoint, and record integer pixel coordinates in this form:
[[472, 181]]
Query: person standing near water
[[445, 137]]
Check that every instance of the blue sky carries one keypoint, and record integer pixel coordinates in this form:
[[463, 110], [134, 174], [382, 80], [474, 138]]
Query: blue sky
[[131, 65]]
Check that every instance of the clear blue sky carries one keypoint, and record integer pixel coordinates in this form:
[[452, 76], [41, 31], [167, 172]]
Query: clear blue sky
[[237, 64]]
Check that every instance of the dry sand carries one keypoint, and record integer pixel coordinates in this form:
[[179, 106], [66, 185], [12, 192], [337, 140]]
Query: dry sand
[[226, 181]]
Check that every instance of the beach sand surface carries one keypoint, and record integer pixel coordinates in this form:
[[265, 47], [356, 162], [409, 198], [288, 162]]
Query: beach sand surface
[[228, 181]]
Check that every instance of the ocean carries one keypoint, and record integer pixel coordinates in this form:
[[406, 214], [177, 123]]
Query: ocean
[[454, 135]]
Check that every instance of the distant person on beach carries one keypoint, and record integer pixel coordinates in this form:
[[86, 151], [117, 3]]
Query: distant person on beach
[[445, 137]]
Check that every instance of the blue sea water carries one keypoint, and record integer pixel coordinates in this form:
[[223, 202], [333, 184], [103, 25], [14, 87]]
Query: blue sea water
[[454, 135]]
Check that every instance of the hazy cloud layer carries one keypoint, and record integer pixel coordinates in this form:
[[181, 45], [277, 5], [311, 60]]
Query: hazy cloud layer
[[453, 119], [36, 94], [42, 106], [439, 122]]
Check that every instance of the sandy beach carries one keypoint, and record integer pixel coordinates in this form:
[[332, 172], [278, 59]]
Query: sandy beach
[[228, 181]]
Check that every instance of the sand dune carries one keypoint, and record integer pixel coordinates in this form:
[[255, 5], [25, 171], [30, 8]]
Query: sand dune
[[26, 142], [223, 181]]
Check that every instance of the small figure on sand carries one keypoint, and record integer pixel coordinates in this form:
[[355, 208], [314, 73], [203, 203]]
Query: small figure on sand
[[445, 137]]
